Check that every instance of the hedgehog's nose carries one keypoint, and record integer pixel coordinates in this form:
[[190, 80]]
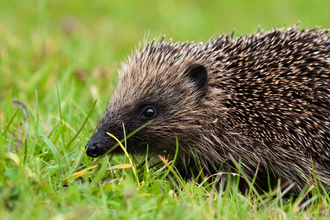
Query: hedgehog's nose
[[94, 148]]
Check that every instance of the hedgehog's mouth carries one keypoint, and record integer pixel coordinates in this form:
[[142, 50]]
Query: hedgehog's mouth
[[101, 142], [95, 148]]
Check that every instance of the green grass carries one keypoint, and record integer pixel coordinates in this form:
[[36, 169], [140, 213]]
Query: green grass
[[58, 57]]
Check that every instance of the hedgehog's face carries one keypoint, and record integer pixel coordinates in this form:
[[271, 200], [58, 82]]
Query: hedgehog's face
[[100, 142], [169, 97]]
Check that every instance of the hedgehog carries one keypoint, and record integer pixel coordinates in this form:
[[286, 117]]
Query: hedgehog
[[261, 99]]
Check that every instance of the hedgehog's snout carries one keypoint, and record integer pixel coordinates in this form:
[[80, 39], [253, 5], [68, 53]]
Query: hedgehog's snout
[[94, 148]]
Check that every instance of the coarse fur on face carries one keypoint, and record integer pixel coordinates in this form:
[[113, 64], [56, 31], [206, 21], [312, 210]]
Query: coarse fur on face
[[263, 99]]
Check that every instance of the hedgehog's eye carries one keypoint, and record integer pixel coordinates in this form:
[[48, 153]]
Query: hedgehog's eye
[[149, 112]]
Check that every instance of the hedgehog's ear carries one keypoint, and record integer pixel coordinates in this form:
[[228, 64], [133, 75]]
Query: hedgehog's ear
[[198, 75]]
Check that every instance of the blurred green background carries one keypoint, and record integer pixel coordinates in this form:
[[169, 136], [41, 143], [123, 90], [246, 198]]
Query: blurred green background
[[81, 43]]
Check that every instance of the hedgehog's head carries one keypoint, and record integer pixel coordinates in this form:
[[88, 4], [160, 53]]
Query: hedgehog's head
[[164, 83]]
